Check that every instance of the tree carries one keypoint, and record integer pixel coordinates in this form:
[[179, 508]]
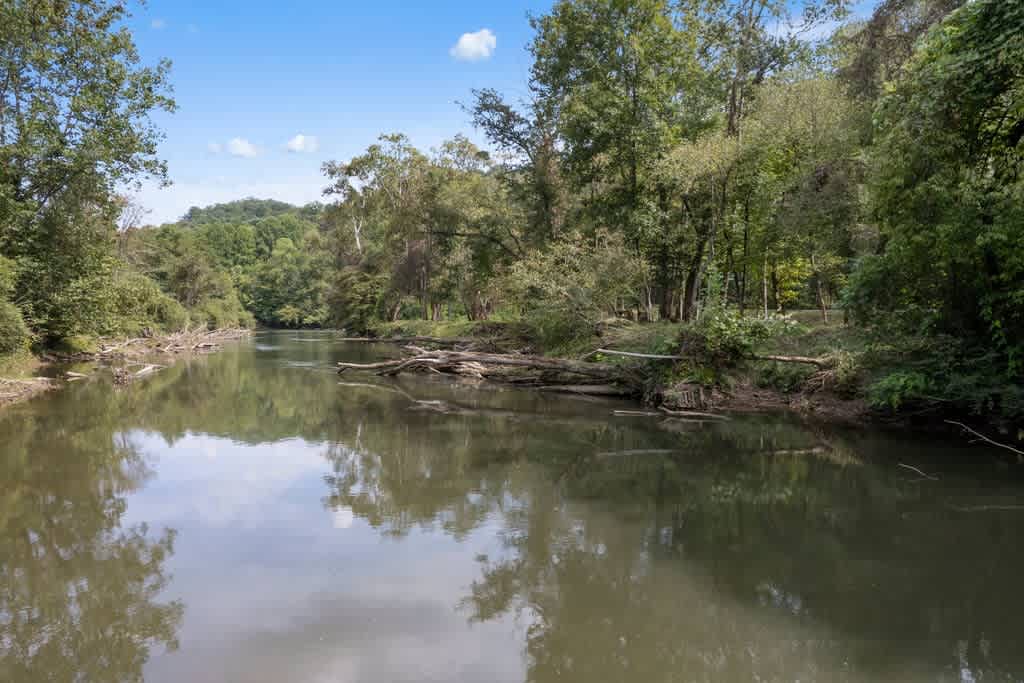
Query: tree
[[288, 288], [947, 189], [75, 126], [619, 76], [879, 47], [533, 167]]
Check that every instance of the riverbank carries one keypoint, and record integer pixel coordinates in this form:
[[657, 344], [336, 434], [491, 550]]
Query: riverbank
[[822, 371], [24, 375]]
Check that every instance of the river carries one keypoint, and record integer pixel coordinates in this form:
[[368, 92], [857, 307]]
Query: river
[[251, 516]]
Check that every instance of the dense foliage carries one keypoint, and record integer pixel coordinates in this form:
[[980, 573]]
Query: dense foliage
[[235, 263], [948, 195], [700, 161], [75, 126]]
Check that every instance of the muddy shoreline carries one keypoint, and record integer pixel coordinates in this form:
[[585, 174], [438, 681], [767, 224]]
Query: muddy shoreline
[[52, 369]]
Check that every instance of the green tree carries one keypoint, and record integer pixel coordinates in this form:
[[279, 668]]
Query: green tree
[[74, 126], [949, 197]]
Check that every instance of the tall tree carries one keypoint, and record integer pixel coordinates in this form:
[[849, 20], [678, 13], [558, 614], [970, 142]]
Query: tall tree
[[75, 125]]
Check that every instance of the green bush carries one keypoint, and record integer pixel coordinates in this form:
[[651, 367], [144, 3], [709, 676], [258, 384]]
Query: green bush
[[139, 304], [77, 343], [898, 388], [785, 377], [8, 277], [14, 335], [222, 312], [355, 300], [171, 315], [724, 338], [567, 290]]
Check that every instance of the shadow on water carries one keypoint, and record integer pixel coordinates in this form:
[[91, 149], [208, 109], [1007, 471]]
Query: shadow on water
[[627, 548]]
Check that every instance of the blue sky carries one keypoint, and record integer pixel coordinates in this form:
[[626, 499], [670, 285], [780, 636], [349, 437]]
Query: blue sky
[[250, 77], [261, 73]]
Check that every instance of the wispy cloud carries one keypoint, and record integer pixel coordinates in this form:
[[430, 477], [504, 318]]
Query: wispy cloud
[[158, 24], [240, 147], [303, 143], [192, 28], [472, 47], [215, 148]]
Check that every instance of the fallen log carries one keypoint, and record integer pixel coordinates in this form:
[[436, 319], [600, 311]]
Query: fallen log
[[823, 363], [645, 356], [535, 363], [200, 340], [550, 372], [984, 438], [437, 341], [383, 365], [694, 413], [587, 389], [642, 451]]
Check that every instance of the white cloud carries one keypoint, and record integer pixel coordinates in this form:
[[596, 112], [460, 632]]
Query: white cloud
[[192, 28], [473, 47], [158, 24], [240, 147], [215, 148], [303, 143]]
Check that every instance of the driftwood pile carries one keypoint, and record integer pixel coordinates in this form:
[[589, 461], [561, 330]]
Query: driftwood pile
[[126, 375], [550, 374], [471, 358], [187, 341], [13, 390]]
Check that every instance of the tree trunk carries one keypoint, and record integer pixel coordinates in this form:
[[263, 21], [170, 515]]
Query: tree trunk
[[820, 291], [764, 287], [746, 255], [691, 290]]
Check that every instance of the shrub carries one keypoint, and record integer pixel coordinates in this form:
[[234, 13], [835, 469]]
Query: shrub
[[567, 290], [354, 301], [77, 343], [222, 312], [898, 388], [14, 335], [8, 277], [138, 304], [785, 377], [724, 337]]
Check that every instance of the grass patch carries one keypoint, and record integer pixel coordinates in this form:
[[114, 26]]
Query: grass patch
[[18, 365], [816, 340]]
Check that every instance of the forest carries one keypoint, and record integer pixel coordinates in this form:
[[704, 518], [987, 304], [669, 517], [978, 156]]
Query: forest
[[684, 175]]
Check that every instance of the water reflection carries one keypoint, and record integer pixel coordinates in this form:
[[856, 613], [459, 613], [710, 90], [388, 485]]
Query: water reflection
[[419, 530], [78, 589]]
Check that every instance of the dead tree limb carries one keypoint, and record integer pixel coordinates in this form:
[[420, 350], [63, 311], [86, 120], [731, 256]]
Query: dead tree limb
[[823, 363], [587, 389], [437, 341], [923, 474], [694, 413], [985, 438], [645, 356], [547, 372]]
